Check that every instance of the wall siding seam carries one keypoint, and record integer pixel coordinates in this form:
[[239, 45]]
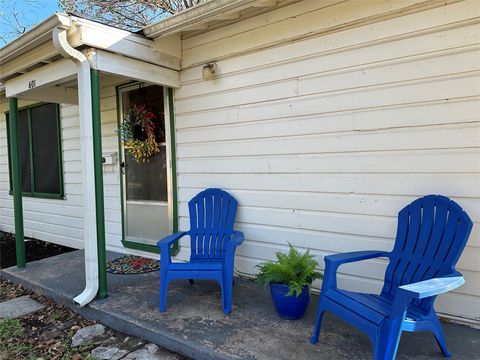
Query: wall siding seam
[[367, 65], [248, 106], [332, 133], [346, 134], [331, 93]]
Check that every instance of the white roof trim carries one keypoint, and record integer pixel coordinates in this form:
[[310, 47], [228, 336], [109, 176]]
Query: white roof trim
[[34, 37], [81, 32], [201, 13]]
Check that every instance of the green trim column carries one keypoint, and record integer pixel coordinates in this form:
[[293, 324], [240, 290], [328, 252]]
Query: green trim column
[[16, 182], [174, 160], [99, 201], [176, 246]]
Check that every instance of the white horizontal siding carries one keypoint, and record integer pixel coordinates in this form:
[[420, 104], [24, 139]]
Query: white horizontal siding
[[326, 118], [55, 220], [111, 174]]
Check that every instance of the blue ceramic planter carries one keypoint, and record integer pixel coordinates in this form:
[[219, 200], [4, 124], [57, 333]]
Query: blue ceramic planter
[[289, 307]]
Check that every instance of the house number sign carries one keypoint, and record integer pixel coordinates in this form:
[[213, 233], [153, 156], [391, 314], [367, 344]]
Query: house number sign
[[31, 84]]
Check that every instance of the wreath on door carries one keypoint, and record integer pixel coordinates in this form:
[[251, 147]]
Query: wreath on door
[[138, 133]]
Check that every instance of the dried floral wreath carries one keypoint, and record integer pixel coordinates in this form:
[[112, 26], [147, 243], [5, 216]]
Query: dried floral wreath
[[137, 131]]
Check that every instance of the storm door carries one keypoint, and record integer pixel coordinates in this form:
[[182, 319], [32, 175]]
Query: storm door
[[144, 169]]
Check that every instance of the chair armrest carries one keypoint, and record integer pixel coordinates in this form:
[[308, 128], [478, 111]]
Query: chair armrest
[[432, 287], [332, 262], [164, 245], [236, 239], [170, 239], [342, 258]]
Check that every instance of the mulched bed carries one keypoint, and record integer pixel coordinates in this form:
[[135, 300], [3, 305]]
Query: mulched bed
[[34, 250], [45, 334], [131, 264]]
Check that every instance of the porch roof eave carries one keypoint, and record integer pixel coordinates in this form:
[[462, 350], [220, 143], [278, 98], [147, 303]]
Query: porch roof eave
[[33, 38], [210, 14], [36, 47]]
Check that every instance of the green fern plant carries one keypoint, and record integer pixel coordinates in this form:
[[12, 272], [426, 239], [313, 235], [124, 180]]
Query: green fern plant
[[293, 269]]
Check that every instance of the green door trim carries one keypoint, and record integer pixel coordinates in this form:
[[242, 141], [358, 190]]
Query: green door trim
[[131, 244]]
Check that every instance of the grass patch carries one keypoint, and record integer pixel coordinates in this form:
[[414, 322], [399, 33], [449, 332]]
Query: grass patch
[[11, 332], [9, 328]]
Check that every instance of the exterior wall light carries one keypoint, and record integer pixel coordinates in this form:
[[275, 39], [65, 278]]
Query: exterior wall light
[[208, 71]]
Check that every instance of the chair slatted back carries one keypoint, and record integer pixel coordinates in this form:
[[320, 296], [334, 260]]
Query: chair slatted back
[[212, 214], [431, 234]]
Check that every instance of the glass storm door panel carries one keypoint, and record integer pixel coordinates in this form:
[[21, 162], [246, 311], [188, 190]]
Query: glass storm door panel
[[146, 207]]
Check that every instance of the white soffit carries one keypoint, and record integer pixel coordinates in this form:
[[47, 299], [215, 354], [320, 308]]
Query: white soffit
[[210, 14]]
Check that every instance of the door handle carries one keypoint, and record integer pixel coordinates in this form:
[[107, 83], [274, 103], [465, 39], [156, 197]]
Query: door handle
[[122, 167]]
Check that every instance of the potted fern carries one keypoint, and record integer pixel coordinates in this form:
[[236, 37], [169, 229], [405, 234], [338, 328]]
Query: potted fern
[[290, 279]]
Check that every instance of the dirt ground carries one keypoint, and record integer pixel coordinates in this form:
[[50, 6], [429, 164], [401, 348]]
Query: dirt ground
[[45, 334], [34, 250]]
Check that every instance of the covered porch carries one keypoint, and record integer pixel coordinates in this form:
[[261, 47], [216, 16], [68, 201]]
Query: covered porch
[[194, 324], [83, 68]]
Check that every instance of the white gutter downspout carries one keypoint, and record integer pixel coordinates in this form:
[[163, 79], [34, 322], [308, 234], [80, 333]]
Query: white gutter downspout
[[88, 175]]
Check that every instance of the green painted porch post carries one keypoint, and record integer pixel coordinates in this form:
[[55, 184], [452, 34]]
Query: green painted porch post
[[16, 182], [99, 203], [173, 142]]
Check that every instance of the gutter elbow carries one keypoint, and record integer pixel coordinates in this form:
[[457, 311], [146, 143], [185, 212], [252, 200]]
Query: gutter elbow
[[60, 42], [86, 296]]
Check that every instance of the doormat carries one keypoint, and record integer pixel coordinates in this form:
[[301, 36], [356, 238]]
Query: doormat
[[131, 264]]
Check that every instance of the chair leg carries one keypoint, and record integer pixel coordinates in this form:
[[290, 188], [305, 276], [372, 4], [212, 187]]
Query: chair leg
[[386, 343], [227, 288], [163, 291], [378, 349], [439, 336], [380, 344], [318, 325]]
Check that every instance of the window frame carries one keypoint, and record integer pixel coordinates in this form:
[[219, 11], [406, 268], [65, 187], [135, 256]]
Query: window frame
[[33, 193]]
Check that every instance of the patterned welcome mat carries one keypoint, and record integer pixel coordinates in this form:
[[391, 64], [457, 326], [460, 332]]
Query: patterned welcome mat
[[131, 264]]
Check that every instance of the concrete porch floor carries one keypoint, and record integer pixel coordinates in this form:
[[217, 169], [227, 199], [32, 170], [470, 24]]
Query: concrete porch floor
[[195, 326]]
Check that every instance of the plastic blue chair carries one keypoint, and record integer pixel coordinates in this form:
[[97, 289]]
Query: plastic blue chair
[[431, 234], [212, 243]]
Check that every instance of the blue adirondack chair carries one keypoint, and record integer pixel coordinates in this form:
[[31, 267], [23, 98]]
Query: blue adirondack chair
[[212, 243], [431, 234]]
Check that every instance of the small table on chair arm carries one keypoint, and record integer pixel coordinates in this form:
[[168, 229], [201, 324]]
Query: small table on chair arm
[[432, 287], [404, 295]]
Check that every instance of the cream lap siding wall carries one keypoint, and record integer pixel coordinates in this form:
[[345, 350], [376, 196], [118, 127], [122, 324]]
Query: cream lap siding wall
[[61, 221], [111, 173], [326, 118], [53, 220]]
